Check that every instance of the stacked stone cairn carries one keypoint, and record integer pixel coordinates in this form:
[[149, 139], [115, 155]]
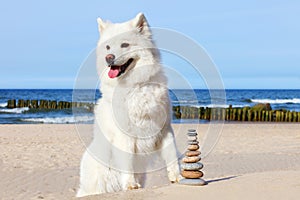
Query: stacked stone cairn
[[190, 163]]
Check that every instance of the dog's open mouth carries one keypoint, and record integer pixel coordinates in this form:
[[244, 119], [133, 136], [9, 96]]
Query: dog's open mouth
[[117, 70]]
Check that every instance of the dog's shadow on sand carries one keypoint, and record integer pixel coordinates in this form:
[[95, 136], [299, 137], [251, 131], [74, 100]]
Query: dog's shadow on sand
[[220, 179]]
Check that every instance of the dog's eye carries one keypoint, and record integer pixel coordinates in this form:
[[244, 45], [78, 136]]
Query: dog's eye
[[124, 45], [107, 47]]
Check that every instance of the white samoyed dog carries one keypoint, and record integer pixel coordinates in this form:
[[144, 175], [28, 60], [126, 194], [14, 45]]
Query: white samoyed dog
[[132, 129]]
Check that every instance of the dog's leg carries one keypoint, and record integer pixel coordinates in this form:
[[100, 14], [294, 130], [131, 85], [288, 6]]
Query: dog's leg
[[89, 177], [125, 160], [170, 155]]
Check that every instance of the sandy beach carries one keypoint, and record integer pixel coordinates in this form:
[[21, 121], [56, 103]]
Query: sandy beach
[[250, 161]]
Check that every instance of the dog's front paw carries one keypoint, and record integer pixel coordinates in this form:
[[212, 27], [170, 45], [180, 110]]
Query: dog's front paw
[[133, 186], [174, 174], [174, 177]]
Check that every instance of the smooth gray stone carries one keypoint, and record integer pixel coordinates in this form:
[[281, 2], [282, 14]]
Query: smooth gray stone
[[191, 130], [192, 134], [195, 182], [193, 142], [192, 166]]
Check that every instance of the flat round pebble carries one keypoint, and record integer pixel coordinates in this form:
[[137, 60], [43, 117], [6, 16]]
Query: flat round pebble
[[191, 174], [192, 134], [192, 166], [193, 147], [191, 159], [192, 153], [193, 142], [193, 182], [192, 137]]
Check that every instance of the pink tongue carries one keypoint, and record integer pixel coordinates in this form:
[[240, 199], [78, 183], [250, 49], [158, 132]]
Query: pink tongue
[[113, 73]]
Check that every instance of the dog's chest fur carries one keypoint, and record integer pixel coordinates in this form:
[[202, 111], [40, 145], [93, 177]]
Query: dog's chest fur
[[137, 115]]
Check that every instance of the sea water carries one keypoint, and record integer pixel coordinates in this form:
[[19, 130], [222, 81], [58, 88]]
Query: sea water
[[279, 99]]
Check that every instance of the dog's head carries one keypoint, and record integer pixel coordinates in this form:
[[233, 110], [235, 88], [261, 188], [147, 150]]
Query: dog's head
[[123, 47]]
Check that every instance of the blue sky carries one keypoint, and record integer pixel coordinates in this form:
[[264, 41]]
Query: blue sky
[[254, 44]]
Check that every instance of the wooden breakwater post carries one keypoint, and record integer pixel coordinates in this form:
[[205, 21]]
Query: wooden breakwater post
[[53, 104], [43, 104], [21, 103], [11, 103], [34, 104], [47, 104], [257, 113]]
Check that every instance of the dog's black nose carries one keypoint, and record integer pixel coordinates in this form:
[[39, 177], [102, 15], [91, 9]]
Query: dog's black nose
[[110, 58]]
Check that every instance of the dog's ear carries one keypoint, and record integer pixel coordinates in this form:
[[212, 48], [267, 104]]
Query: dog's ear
[[101, 25], [140, 22]]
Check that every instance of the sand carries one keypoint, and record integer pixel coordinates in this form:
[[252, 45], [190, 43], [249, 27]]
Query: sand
[[250, 161]]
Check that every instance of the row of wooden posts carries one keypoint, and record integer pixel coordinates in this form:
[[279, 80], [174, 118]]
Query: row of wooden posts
[[45, 104], [181, 112], [235, 114]]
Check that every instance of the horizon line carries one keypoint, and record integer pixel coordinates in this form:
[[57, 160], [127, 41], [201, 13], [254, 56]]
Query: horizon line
[[168, 88]]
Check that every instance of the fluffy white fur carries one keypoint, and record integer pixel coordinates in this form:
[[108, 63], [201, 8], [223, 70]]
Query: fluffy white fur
[[132, 119]]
